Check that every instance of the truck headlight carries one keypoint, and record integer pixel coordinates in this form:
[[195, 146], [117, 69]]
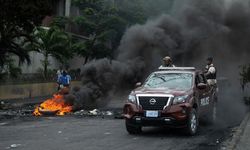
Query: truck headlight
[[132, 98], [180, 99]]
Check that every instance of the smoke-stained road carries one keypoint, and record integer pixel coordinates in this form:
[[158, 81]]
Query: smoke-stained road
[[71, 133], [85, 133]]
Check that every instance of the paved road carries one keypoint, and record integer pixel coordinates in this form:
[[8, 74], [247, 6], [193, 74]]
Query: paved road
[[85, 133], [74, 133]]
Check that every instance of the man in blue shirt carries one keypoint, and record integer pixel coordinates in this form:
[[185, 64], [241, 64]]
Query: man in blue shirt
[[64, 80]]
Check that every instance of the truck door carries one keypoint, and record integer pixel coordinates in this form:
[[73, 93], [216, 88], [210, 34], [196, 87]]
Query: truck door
[[203, 94]]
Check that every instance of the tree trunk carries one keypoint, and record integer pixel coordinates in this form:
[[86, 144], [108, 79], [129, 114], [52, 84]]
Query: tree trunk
[[86, 59], [91, 47], [45, 69]]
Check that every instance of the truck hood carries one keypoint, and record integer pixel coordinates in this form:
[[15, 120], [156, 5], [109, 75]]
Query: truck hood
[[143, 90]]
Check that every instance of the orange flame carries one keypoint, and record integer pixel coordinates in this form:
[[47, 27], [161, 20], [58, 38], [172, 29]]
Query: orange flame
[[55, 104]]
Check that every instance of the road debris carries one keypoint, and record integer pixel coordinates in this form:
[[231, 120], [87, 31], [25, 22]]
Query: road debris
[[13, 146], [3, 123], [107, 133], [5, 105], [217, 141], [94, 112], [109, 113]]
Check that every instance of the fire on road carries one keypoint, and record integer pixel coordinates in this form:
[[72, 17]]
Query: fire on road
[[55, 105]]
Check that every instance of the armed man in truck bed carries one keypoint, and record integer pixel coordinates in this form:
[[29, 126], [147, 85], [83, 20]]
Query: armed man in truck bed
[[210, 72], [166, 62]]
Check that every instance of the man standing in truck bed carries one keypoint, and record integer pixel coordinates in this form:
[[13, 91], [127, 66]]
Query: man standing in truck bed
[[210, 72], [166, 62]]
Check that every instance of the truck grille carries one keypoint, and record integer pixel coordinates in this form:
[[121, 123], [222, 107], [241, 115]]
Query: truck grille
[[159, 102]]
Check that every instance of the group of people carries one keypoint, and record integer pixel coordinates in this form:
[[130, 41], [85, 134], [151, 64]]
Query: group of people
[[63, 79], [209, 71]]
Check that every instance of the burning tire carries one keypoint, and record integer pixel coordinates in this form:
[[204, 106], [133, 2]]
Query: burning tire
[[192, 123], [132, 129], [47, 112], [53, 106]]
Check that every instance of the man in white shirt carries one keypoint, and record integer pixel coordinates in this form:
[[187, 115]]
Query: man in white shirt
[[59, 73]]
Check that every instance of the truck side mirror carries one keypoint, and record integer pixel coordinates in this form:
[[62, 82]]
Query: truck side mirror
[[138, 84], [202, 86]]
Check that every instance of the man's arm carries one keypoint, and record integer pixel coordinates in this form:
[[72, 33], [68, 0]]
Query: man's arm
[[69, 79], [211, 70]]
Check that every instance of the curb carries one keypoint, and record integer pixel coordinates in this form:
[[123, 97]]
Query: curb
[[231, 144]]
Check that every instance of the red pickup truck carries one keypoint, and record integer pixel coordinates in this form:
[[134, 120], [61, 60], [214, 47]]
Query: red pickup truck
[[173, 97]]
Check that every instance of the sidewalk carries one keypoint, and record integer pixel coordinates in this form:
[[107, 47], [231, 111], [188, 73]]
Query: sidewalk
[[244, 139], [241, 137]]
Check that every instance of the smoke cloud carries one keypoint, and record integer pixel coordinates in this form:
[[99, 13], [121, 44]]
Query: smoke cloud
[[193, 31], [103, 78]]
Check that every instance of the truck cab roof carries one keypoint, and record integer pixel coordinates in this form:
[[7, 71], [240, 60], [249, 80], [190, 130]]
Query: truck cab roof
[[178, 69]]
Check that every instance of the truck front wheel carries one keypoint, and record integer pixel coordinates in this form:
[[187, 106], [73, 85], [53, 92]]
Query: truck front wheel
[[192, 123], [133, 129]]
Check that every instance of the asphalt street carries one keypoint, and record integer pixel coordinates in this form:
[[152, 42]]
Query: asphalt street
[[85, 133], [76, 132]]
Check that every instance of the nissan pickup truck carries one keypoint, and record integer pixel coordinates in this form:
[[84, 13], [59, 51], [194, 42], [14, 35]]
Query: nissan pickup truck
[[174, 97]]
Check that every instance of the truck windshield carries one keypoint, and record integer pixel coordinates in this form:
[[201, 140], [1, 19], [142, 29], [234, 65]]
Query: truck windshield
[[177, 81]]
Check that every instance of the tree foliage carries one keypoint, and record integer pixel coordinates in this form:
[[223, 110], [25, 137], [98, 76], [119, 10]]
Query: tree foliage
[[51, 42], [17, 20], [133, 11], [104, 22], [245, 75]]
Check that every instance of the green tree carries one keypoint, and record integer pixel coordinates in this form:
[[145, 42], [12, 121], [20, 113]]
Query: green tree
[[51, 42], [102, 24], [17, 20], [245, 75], [133, 11]]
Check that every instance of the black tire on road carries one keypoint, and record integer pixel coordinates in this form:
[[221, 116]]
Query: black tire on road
[[133, 129], [192, 123]]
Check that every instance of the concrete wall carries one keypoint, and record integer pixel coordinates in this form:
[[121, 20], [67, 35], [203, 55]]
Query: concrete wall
[[36, 63], [75, 63], [29, 90]]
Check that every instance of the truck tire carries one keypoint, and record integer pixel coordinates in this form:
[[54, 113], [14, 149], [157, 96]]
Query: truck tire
[[192, 123], [132, 129]]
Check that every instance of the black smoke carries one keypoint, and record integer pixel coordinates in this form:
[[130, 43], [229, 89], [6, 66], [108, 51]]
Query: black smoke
[[194, 30], [104, 78]]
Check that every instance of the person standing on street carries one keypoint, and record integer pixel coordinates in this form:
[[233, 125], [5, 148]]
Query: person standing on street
[[64, 80]]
